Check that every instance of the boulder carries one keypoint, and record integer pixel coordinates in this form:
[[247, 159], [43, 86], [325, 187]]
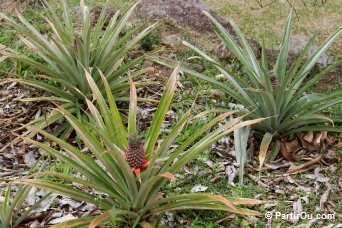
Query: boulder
[[297, 44], [189, 13], [183, 12], [172, 40]]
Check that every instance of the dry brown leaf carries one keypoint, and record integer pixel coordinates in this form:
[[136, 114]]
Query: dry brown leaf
[[309, 136], [325, 135], [297, 209], [250, 150], [244, 201], [287, 150], [317, 138], [98, 219], [208, 162], [275, 166], [324, 197], [318, 176], [307, 145], [224, 200], [68, 217], [216, 93], [303, 188], [335, 142], [297, 206], [305, 165], [146, 225], [231, 173], [168, 176], [293, 145], [259, 182], [292, 181], [264, 146]]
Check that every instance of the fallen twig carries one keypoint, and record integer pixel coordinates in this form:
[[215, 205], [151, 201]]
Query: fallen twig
[[255, 179], [305, 165]]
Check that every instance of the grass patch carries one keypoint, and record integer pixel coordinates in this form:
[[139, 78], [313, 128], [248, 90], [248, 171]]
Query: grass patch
[[268, 23]]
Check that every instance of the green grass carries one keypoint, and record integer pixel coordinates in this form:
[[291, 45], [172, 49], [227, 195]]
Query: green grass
[[336, 109], [8, 37], [198, 92], [267, 23]]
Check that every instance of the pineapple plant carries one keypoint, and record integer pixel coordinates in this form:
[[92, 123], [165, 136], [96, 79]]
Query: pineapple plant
[[276, 91], [68, 50], [127, 197]]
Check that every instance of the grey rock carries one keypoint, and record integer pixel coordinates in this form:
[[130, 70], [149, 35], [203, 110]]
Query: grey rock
[[189, 13], [185, 12], [172, 40], [298, 43], [30, 158]]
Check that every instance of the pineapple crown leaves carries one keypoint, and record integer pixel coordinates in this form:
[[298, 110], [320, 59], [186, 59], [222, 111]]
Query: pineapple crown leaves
[[135, 140]]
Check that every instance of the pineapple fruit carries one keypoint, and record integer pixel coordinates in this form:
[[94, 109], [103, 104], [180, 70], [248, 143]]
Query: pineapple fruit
[[135, 152]]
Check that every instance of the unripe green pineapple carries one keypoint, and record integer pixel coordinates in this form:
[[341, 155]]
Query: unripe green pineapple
[[135, 153]]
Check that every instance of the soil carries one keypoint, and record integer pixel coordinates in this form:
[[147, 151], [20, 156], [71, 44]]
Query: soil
[[189, 14], [330, 80], [186, 12], [11, 5], [20, 5]]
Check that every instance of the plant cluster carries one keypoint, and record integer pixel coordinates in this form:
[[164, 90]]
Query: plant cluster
[[277, 92], [69, 49]]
